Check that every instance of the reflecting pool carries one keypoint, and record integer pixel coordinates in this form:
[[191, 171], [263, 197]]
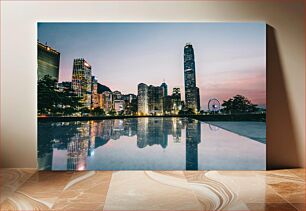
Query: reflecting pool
[[145, 144]]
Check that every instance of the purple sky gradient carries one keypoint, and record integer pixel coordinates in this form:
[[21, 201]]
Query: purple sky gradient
[[230, 57]]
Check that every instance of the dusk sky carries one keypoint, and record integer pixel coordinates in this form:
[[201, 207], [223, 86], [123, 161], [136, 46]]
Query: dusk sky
[[230, 58]]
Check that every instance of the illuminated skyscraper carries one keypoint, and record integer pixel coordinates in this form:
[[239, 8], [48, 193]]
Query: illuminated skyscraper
[[192, 95], [164, 86], [142, 99], [117, 95], [155, 100], [81, 81], [94, 93], [107, 101], [176, 99], [119, 105], [47, 61], [167, 104]]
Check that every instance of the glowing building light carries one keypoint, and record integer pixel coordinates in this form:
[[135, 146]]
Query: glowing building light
[[86, 64]]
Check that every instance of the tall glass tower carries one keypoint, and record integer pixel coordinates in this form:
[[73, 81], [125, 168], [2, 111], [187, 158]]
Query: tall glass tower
[[81, 81], [143, 99], [48, 61], [192, 94], [164, 86]]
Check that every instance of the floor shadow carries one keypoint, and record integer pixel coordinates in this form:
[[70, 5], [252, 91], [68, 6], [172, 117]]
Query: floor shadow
[[281, 139]]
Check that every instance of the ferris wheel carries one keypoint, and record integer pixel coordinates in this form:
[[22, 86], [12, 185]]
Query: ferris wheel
[[214, 105]]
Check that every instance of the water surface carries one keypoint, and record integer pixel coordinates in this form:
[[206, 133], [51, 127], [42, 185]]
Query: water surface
[[145, 144]]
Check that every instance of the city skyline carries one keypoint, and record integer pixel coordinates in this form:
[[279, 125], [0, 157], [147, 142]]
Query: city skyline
[[222, 70]]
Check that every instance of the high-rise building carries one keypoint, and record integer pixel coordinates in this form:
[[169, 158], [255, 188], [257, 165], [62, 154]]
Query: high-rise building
[[192, 97], [94, 93], [130, 103], [198, 98], [81, 81], [119, 105], [155, 100], [107, 101], [129, 97], [48, 61], [164, 86], [142, 99], [117, 95], [176, 99], [100, 101], [167, 104]]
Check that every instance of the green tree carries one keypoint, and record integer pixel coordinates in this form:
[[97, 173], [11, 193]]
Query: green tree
[[238, 104], [47, 96], [52, 101], [98, 112], [189, 111], [84, 111], [112, 112], [121, 113], [69, 102]]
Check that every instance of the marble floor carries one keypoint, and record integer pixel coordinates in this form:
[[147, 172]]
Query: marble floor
[[29, 189]]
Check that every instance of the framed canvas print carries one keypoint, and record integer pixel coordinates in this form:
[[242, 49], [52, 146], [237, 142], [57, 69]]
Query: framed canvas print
[[151, 96]]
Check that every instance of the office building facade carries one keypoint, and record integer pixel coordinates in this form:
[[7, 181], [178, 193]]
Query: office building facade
[[176, 100], [192, 95], [107, 101], [82, 81], [155, 100], [164, 87], [142, 99], [48, 60], [94, 93], [119, 105]]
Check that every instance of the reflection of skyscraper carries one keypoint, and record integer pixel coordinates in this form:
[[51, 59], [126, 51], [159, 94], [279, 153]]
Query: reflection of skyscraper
[[81, 81], [92, 140], [143, 99], [77, 153], [142, 132], [192, 96], [177, 130], [47, 61], [193, 138], [78, 147], [151, 131]]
